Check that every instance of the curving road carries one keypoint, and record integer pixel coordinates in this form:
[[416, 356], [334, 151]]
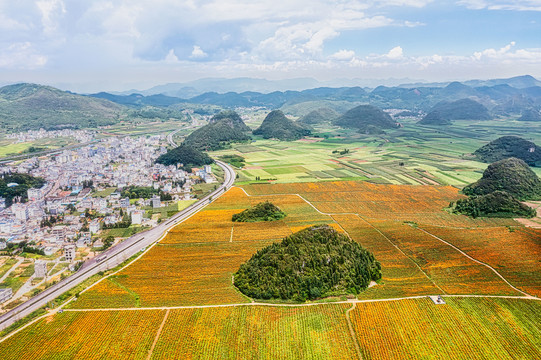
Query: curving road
[[116, 254]]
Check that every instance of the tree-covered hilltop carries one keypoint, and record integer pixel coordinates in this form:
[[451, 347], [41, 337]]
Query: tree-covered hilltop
[[510, 146], [31, 107], [319, 116], [224, 128], [366, 118], [511, 175], [496, 204], [186, 155], [264, 211], [230, 117], [23, 181], [313, 263], [277, 126], [530, 115], [463, 109]]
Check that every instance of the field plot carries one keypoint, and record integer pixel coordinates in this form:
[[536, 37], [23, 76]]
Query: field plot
[[464, 328], [515, 253], [453, 272], [401, 276], [421, 204], [187, 274], [257, 332], [86, 335]]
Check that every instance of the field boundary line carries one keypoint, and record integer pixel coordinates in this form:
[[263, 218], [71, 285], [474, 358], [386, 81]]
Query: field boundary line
[[357, 301], [477, 261], [158, 334], [401, 251], [352, 331]]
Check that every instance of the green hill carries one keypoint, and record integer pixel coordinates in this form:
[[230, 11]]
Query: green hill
[[23, 181], [510, 146], [264, 211], [231, 118], [224, 128], [313, 263], [511, 175], [366, 118], [319, 116], [30, 106], [277, 126], [464, 109], [530, 115], [496, 204], [186, 155]]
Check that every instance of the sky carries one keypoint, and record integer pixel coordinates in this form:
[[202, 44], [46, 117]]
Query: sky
[[94, 45]]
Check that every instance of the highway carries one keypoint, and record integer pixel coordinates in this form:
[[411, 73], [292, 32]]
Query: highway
[[116, 254]]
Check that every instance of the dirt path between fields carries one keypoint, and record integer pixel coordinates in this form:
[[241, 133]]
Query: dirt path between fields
[[352, 331], [350, 301], [477, 261], [158, 334]]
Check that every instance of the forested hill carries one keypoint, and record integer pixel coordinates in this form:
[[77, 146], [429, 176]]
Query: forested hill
[[30, 106], [186, 155], [510, 146], [223, 128], [313, 263], [276, 125], [511, 175], [463, 109]]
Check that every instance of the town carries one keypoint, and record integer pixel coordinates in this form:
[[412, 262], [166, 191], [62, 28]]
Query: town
[[94, 196]]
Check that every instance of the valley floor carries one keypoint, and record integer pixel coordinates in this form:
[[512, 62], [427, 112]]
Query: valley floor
[[178, 300]]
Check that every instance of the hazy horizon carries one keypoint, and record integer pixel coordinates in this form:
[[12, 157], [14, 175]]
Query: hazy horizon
[[117, 45]]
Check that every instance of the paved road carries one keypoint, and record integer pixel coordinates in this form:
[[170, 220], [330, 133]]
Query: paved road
[[115, 255]]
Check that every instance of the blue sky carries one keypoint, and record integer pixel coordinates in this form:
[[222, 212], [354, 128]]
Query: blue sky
[[121, 44]]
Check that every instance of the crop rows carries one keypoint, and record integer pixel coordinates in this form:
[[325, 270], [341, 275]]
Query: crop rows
[[451, 270], [464, 328], [86, 335], [400, 275], [188, 274], [256, 332], [515, 253]]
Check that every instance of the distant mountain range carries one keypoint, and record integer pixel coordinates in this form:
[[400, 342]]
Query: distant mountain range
[[29, 106], [500, 96], [239, 85]]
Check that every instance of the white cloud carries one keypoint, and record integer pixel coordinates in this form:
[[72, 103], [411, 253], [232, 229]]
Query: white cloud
[[171, 58], [21, 56], [395, 53], [493, 53], [518, 5], [343, 55], [50, 11], [197, 53]]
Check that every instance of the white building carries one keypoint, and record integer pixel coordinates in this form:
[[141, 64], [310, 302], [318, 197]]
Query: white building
[[69, 252], [137, 217], [40, 269], [20, 211], [94, 227], [156, 202], [207, 169]]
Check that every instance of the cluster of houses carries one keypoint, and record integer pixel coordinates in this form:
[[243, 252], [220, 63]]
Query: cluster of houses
[[66, 211]]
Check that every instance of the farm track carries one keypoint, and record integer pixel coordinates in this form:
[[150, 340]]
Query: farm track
[[350, 301]]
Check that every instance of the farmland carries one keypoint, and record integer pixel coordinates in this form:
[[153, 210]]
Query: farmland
[[412, 155], [463, 328], [178, 300]]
